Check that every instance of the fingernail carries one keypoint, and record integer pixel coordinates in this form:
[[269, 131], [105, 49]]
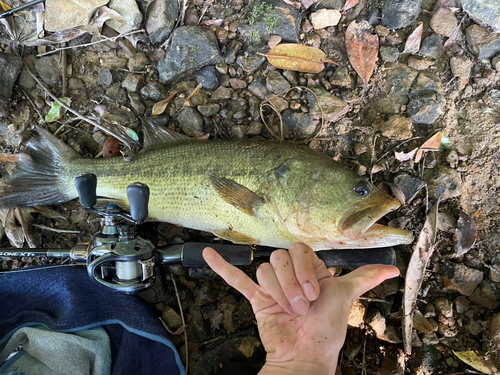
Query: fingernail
[[300, 305], [309, 291]]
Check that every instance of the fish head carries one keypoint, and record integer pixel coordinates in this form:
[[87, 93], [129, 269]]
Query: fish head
[[340, 209]]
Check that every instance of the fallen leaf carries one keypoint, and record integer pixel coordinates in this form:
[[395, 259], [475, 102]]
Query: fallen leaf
[[295, 4], [198, 135], [160, 107], [433, 143], [297, 57], [478, 360], [57, 110], [362, 48], [23, 216], [465, 235], [307, 3], [111, 148], [237, 83], [128, 132], [412, 44], [216, 22], [274, 41], [14, 232], [415, 274], [187, 102], [401, 156], [350, 4]]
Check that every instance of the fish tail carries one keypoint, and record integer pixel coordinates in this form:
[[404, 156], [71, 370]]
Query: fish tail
[[36, 176]]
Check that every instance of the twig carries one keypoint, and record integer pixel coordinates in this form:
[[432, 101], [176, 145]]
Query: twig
[[64, 73], [33, 104], [106, 39], [370, 299], [270, 104], [396, 147], [183, 321], [180, 20], [41, 226], [130, 145], [363, 368]]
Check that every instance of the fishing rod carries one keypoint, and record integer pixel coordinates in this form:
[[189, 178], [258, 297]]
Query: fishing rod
[[119, 259], [13, 11]]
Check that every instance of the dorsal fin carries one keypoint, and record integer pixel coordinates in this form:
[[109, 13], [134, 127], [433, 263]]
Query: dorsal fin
[[156, 135]]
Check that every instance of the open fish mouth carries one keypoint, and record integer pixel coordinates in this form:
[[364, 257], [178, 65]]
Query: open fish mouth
[[362, 226]]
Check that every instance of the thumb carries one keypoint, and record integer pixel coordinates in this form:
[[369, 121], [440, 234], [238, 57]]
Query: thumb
[[368, 277]]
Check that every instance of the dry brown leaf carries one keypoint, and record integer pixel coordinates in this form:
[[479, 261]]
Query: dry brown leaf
[[480, 361], [160, 107], [433, 143], [196, 134], [307, 3], [23, 216], [401, 156], [362, 48], [297, 57], [187, 102], [14, 232], [350, 4], [413, 42], [237, 83], [415, 274], [465, 235], [111, 148]]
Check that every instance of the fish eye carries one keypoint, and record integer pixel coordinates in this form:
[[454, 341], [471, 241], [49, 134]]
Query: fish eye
[[362, 189]]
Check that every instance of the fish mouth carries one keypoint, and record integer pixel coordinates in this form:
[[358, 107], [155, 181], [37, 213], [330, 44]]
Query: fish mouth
[[361, 225]]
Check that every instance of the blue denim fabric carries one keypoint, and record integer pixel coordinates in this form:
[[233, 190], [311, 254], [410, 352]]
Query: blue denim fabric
[[65, 299]]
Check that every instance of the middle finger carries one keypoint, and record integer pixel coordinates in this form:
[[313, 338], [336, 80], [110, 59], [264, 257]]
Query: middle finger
[[283, 268]]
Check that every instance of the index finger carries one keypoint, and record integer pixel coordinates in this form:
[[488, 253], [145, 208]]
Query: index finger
[[233, 276]]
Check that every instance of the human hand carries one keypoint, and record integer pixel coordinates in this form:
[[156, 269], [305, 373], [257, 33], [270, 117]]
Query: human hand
[[301, 309]]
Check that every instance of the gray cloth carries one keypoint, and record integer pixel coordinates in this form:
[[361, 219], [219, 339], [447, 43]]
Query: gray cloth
[[46, 352]]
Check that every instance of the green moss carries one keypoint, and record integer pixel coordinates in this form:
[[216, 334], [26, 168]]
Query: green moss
[[261, 10]]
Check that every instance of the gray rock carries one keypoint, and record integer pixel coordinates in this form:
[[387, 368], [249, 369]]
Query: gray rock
[[132, 82], [254, 107], [205, 293], [47, 68], [432, 47], [276, 83], [427, 108], [232, 49], [430, 338], [443, 22], [63, 15], [25, 80], [250, 61], [207, 77], [138, 62], [444, 306], [191, 48], [117, 94], [486, 12], [255, 128], [155, 91], [136, 103], [298, 125], [394, 95], [461, 278], [258, 87], [160, 19], [222, 93], [461, 304], [383, 330], [485, 295], [238, 131], [389, 53], [230, 321], [397, 14], [329, 4], [130, 13], [105, 78], [198, 329], [222, 68], [264, 18], [397, 127], [461, 67], [341, 77], [10, 67], [190, 120], [333, 108], [209, 109], [483, 43], [171, 318], [408, 186], [444, 182], [426, 360], [495, 63]]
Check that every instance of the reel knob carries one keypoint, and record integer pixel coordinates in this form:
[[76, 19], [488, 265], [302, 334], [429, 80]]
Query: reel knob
[[86, 185], [138, 198]]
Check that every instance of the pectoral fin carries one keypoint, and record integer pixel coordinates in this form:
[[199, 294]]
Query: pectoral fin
[[235, 237], [236, 195]]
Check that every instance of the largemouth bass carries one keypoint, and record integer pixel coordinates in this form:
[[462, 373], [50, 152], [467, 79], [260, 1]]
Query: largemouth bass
[[246, 191]]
